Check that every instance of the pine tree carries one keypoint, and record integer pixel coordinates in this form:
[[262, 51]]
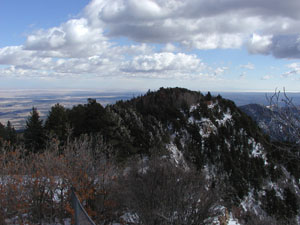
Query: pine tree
[[34, 136], [208, 97], [11, 134], [2, 133], [94, 116], [88, 118], [57, 122]]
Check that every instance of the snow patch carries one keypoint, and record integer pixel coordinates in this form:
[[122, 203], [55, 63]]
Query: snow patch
[[250, 204], [257, 150], [205, 124], [212, 105], [131, 218], [194, 107], [177, 156], [232, 221], [278, 190], [226, 117], [207, 127]]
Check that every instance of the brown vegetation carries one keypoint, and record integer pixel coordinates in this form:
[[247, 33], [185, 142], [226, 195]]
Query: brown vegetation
[[37, 187]]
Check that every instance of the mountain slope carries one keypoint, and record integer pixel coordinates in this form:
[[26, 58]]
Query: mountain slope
[[210, 133], [267, 120], [172, 156]]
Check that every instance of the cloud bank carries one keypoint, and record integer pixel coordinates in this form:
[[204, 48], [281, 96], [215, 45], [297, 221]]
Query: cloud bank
[[87, 45], [267, 26]]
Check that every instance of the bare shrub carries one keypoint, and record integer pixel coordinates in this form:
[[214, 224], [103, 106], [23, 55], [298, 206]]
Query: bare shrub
[[37, 187], [163, 194], [249, 218], [286, 114]]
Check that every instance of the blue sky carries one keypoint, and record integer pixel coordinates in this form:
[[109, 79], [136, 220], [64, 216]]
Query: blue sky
[[136, 45]]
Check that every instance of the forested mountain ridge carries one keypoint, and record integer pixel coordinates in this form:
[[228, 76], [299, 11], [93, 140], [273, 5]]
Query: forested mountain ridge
[[193, 131], [275, 121]]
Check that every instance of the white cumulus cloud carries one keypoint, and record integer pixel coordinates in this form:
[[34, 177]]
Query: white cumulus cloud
[[164, 65], [88, 45], [75, 38], [204, 24], [260, 44]]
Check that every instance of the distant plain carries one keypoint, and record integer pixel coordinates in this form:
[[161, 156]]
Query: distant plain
[[15, 106]]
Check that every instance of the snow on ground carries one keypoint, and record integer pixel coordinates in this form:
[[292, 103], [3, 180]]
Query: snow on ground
[[232, 221], [206, 126], [15, 220], [278, 190], [59, 189], [131, 218], [212, 105], [177, 155], [258, 150], [225, 217], [226, 117], [194, 107], [249, 203]]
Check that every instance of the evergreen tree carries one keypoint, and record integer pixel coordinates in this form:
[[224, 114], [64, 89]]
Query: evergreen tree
[[208, 97], [57, 122], [76, 116], [34, 136], [88, 118], [11, 134], [2, 133], [94, 116], [8, 133]]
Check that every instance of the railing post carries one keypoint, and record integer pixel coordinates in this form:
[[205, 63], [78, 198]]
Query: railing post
[[80, 215], [74, 205]]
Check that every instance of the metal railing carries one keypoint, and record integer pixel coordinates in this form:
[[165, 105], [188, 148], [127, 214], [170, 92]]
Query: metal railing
[[81, 216]]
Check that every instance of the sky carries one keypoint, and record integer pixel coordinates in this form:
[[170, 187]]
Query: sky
[[137, 45]]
